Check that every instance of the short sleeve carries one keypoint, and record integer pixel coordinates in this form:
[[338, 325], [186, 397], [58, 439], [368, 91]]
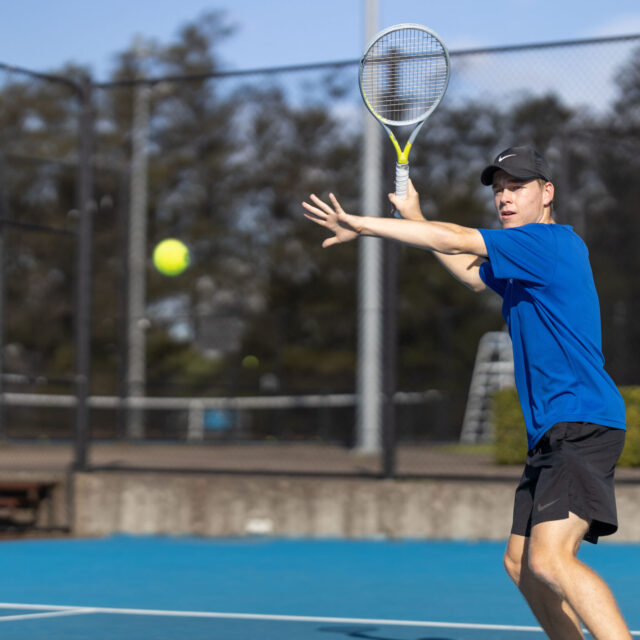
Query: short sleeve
[[527, 253], [487, 276]]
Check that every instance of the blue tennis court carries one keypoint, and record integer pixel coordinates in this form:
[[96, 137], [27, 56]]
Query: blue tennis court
[[126, 588]]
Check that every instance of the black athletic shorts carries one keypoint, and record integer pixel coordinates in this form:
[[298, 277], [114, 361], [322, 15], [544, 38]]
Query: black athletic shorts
[[570, 469]]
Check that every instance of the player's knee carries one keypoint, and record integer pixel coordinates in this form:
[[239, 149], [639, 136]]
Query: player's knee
[[513, 566], [544, 565]]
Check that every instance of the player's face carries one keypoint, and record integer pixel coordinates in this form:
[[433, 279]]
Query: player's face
[[520, 202]]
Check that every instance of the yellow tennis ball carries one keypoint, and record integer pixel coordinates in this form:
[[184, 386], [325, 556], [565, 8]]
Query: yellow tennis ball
[[250, 362], [171, 257]]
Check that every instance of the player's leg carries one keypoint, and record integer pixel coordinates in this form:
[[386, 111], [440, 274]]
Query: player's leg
[[554, 614], [552, 551]]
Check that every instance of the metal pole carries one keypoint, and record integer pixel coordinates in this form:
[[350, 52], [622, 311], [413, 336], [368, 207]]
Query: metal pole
[[391, 255], [122, 207], [137, 260], [85, 206], [4, 206], [370, 306]]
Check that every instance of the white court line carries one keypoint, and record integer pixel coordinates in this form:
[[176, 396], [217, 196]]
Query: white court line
[[73, 610], [265, 617], [46, 614]]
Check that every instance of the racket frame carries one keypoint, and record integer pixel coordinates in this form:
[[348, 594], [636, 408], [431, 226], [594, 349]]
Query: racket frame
[[402, 153]]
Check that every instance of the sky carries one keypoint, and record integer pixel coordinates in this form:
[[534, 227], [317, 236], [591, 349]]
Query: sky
[[44, 35]]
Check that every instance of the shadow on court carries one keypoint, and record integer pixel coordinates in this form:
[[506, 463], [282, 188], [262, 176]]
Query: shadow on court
[[374, 633]]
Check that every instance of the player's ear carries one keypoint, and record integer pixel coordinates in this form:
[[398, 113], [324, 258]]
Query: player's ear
[[548, 192]]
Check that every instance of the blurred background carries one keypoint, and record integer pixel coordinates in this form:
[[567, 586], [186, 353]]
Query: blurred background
[[212, 127]]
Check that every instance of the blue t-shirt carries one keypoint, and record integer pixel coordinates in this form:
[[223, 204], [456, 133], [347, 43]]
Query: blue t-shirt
[[551, 307]]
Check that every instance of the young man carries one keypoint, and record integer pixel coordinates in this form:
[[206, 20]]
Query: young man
[[574, 415]]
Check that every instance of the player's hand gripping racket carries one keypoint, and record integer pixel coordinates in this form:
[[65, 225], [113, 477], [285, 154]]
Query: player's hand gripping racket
[[404, 73]]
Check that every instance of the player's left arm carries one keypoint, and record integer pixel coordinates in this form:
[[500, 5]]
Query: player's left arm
[[461, 250], [444, 237]]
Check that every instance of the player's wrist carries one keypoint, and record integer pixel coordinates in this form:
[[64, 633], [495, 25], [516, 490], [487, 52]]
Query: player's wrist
[[366, 226], [415, 215]]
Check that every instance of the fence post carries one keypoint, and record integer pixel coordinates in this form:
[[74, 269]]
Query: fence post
[[195, 421], [4, 205], [137, 260], [85, 208], [389, 432]]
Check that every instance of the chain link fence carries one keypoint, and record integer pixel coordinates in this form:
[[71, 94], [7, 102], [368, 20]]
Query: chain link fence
[[256, 342]]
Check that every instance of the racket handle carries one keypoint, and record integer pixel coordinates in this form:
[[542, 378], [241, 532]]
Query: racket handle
[[402, 183]]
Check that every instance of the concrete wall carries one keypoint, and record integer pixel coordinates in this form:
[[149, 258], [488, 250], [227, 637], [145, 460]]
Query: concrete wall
[[235, 505]]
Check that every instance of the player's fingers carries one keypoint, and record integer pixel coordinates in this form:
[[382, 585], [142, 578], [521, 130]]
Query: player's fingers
[[329, 242], [336, 205], [316, 219], [317, 213], [321, 204]]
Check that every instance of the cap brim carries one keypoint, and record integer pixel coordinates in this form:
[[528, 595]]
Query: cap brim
[[486, 177]]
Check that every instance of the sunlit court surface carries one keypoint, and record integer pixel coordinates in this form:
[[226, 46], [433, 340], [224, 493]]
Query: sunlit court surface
[[129, 587]]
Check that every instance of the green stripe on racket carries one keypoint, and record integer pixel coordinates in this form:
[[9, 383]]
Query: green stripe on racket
[[404, 74]]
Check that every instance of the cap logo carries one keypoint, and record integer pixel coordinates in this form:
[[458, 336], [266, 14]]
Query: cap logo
[[503, 158]]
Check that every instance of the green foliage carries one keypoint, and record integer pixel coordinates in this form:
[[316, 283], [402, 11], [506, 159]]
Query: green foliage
[[180, 366], [631, 453], [509, 429], [510, 434]]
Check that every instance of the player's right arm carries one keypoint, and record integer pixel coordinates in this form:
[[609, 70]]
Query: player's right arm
[[464, 267]]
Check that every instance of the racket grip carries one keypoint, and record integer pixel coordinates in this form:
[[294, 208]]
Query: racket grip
[[402, 183]]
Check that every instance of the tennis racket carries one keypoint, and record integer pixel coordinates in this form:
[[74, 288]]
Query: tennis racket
[[404, 73]]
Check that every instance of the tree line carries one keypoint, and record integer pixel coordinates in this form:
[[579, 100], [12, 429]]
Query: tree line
[[263, 308]]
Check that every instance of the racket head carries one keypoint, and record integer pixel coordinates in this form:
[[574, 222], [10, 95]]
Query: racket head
[[404, 74]]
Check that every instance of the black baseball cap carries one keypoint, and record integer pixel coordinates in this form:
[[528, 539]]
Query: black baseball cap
[[523, 163]]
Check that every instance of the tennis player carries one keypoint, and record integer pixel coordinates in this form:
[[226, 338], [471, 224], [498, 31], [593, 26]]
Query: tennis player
[[574, 415]]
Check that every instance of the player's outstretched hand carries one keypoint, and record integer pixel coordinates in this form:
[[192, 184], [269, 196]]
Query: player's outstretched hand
[[344, 226]]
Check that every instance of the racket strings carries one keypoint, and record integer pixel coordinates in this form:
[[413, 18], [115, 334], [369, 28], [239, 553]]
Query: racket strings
[[404, 75]]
